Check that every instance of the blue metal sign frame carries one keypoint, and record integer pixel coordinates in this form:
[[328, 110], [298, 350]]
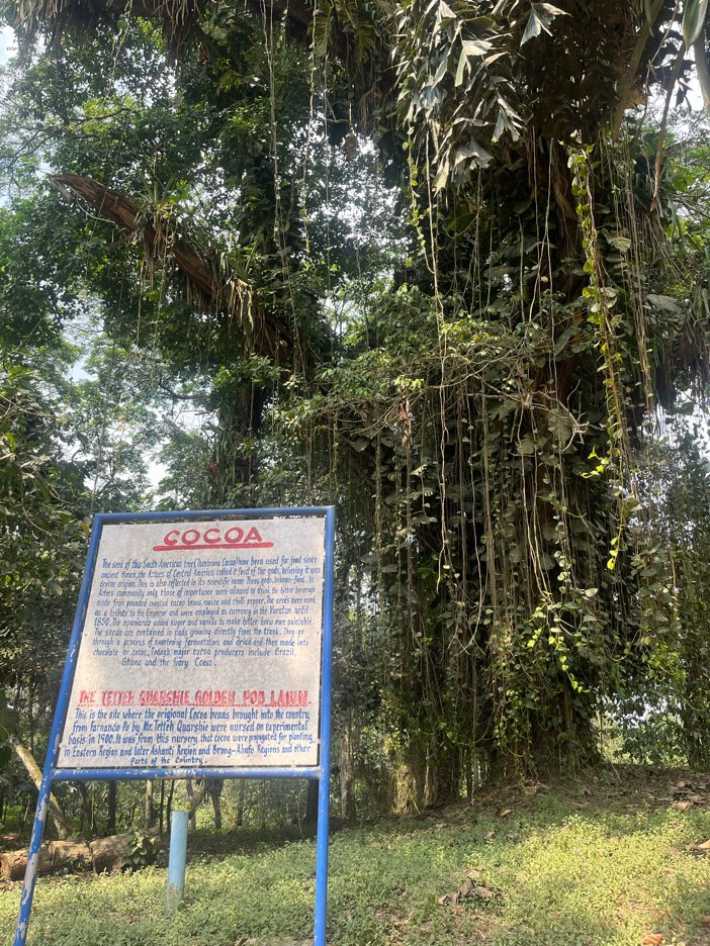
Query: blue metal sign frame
[[321, 772]]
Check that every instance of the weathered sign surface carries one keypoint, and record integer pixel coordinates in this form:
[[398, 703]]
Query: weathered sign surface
[[201, 646]]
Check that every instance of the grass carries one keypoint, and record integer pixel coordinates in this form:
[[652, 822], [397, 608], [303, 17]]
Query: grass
[[598, 863]]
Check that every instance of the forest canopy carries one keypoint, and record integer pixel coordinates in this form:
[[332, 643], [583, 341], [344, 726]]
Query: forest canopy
[[443, 264]]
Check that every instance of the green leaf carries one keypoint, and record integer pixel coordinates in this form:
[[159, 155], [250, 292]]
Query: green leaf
[[619, 242], [442, 176], [541, 15], [565, 337], [463, 61], [476, 47], [8, 718], [440, 72], [694, 13], [492, 58], [501, 126], [526, 447], [550, 10], [473, 150], [665, 303], [533, 27], [470, 47], [560, 425]]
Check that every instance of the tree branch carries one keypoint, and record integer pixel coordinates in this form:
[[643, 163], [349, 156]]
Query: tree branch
[[630, 77], [208, 287], [677, 66], [60, 823]]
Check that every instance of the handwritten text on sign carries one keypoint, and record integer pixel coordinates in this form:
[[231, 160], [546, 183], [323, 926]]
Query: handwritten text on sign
[[201, 647]]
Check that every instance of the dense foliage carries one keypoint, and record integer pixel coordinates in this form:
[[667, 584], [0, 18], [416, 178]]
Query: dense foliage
[[443, 264]]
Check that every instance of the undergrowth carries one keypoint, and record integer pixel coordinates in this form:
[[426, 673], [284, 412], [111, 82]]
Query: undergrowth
[[603, 863]]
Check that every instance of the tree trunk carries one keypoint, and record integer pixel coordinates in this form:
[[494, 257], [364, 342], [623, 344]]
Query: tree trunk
[[196, 799], [169, 811], [214, 787], [61, 825], [148, 806], [312, 803], [161, 807], [442, 784], [347, 797], [85, 817], [408, 782], [241, 797], [112, 803]]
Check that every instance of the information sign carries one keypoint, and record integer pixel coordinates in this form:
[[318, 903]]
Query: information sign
[[201, 648]]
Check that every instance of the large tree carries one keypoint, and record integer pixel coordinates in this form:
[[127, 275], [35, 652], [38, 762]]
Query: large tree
[[471, 387]]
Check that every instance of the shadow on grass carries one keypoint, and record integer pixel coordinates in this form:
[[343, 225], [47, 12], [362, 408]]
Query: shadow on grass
[[686, 910], [205, 841], [567, 867]]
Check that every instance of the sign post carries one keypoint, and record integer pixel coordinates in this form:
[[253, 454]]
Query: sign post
[[176, 860], [201, 648]]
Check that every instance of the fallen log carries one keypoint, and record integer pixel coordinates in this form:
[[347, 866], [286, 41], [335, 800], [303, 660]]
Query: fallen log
[[111, 853], [103, 854]]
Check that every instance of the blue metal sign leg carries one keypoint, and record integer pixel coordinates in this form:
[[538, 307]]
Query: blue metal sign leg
[[321, 905], [28, 887]]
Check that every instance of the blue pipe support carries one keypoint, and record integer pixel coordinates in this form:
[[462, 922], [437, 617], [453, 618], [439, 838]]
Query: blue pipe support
[[177, 858]]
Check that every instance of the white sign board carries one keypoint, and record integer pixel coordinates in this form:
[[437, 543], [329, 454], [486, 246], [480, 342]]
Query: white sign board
[[201, 646]]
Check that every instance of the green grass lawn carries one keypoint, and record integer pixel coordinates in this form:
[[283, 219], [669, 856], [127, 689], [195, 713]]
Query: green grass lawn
[[600, 862]]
